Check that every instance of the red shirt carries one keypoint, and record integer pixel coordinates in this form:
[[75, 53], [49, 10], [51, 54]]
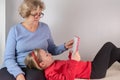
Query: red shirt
[[68, 70]]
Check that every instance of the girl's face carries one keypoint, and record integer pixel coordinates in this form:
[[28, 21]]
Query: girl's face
[[47, 58]]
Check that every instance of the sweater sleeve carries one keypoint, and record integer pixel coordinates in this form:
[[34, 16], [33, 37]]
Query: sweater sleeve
[[67, 72], [9, 56]]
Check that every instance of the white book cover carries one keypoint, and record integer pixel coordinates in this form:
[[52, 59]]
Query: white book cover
[[76, 44]]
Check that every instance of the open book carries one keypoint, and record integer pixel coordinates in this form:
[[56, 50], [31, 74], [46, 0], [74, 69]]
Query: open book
[[76, 44]]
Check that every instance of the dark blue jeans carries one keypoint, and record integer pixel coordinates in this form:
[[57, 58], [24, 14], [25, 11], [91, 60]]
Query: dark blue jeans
[[106, 56], [31, 74]]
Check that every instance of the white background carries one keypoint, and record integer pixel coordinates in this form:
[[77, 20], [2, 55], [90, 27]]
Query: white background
[[2, 29], [95, 21]]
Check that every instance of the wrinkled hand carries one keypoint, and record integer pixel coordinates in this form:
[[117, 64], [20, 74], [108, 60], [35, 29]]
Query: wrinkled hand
[[76, 56], [20, 77], [69, 44]]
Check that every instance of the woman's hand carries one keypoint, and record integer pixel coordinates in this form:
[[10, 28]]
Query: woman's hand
[[76, 56], [69, 44], [20, 77]]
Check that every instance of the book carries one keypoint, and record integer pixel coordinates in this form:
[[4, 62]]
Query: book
[[76, 44]]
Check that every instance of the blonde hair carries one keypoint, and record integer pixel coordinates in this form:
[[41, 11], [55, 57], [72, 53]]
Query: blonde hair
[[30, 62], [28, 5]]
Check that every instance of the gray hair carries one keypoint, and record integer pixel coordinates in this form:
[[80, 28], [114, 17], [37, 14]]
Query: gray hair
[[28, 5]]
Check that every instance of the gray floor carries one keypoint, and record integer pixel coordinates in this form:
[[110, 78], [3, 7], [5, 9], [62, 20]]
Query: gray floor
[[112, 74]]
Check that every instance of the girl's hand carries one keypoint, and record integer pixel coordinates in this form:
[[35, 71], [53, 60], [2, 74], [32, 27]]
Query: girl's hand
[[20, 77], [76, 56], [69, 44]]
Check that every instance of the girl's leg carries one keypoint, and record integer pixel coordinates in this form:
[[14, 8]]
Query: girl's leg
[[107, 55], [115, 56]]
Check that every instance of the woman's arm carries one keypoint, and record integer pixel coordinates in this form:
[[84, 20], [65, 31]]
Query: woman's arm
[[55, 50], [9, 57]]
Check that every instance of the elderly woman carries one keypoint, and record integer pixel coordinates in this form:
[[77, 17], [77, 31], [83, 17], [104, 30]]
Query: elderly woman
[[25, 37]]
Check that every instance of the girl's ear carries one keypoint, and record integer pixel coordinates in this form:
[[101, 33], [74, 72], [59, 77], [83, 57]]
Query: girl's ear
[[42, 64]]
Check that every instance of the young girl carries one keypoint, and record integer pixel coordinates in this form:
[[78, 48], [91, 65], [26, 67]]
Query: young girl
[[75, 67]]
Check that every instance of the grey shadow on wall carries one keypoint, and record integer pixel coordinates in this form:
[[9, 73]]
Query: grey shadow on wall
[[9, 15], [69, 18]]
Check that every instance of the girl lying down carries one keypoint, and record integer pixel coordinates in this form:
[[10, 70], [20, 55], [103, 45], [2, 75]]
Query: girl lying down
[[74, 67]]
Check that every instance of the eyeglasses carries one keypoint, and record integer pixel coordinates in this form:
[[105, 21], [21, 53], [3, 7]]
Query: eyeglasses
[[40, 14]]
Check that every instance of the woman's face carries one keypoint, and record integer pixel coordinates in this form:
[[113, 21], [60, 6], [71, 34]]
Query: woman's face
[[35, 15]]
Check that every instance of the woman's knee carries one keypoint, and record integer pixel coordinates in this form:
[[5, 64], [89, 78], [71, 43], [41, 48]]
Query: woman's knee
[[5, 75]]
